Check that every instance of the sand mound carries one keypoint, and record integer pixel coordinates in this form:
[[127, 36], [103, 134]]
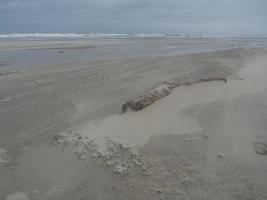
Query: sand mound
[[162, 91]]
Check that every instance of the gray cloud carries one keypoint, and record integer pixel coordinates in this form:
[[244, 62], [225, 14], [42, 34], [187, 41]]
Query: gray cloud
[[135, 16]]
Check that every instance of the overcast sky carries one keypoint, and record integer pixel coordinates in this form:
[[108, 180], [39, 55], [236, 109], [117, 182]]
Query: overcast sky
[[212, 17]]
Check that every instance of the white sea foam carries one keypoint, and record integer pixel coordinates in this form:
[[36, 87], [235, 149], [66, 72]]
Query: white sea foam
[[75, 35], [42, 35], [110, 35]]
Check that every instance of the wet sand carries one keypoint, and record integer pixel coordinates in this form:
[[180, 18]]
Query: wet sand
[[63, 137]]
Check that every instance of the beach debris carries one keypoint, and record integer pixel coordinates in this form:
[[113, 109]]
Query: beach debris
[[148, 98], [8, 72], [160, 92], [205, 136], [122, 169], [261, 148], [120, 158], [5, 99], [220, 155], [159, 190]]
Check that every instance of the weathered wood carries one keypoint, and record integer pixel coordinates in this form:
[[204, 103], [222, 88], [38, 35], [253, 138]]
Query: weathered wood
[[162, 91]]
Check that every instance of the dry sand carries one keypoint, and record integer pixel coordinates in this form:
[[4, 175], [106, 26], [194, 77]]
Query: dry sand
[[63, 137]]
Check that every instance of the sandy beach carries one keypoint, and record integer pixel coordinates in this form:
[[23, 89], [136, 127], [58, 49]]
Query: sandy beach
[[63, 137]]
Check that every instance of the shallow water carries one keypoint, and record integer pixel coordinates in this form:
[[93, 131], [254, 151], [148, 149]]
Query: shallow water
[[22, 53]]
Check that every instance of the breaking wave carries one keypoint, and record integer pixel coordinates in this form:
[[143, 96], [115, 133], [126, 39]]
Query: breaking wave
[[75, 35], [106, 35]]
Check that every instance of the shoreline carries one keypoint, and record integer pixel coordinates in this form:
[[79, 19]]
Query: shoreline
[[30, 54]]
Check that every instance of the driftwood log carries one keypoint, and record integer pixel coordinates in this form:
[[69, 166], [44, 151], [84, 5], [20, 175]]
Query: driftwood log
[[163, 90]]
